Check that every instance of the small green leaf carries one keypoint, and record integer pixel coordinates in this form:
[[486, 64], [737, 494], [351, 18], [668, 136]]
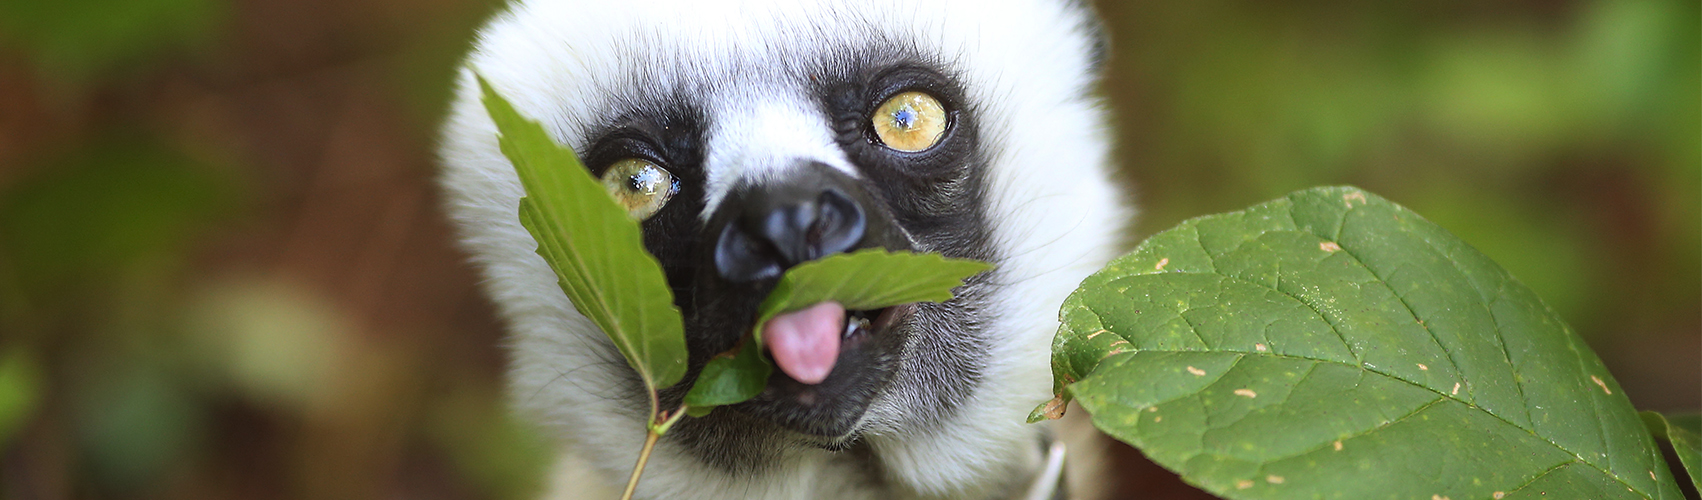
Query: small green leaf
[[863, 280], [595, 248], [1332, 344], [730, 378], [1684, 432]]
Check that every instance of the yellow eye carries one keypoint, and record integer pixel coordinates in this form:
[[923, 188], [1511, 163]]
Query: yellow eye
[[910, 122], [640, 186]]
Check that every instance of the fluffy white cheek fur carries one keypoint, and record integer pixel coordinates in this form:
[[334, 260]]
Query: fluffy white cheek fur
[[1055, 211]]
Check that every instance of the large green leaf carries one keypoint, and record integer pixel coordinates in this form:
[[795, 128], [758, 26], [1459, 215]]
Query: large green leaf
[[867, 279], [1331, 344], [595, 248], [1684, 433]]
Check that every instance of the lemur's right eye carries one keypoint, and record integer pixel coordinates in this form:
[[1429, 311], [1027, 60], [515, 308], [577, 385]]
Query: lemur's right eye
[[640, 186]]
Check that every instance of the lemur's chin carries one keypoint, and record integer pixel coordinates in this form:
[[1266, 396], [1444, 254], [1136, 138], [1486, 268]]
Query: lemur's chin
[[832, 364]]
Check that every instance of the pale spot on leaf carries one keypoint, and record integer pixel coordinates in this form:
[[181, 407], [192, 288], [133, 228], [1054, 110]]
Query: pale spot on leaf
[[1499, 494], [1338, 446], [1096, 333], [1246, 392], [1196, 371], [1244, 484], [1329, 246], [1274, 479], [1456, 390], [1438, 497], [1260, 347], [1152, 409], [1161, 263], [1350, 197], [1422, 367], [1598, 381], [1157, 419]]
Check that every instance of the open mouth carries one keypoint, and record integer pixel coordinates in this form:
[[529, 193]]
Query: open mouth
[[823, 394], [807, 345], [860, 325]]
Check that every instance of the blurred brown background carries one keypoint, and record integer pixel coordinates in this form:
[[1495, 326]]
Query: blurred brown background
[[223, 273]]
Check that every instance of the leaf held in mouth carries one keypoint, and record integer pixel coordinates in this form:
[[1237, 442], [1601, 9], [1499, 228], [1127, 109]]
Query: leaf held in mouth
[[863, 280]]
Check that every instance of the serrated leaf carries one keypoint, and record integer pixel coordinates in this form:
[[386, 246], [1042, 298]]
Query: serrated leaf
[[594, 247], [1684, 433], [1332, 344], [867, 279]]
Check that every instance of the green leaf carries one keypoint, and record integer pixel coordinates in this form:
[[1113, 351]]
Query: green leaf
[[1332, 344], [1684, 432], [595, 248], [730, 378], [867, 279]]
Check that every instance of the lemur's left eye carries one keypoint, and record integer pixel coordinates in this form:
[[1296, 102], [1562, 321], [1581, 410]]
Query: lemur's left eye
[[640, 186], [910, 122]]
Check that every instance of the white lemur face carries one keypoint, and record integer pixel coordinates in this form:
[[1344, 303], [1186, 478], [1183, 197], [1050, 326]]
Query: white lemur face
[[786, 130]]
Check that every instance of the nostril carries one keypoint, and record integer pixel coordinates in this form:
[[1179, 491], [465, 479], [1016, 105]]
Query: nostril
[[838, 226], [739, 259]]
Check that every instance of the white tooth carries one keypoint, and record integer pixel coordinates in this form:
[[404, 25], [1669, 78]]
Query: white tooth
[[852, 324]]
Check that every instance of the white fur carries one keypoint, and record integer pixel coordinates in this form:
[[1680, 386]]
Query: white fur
[[1024, 64]]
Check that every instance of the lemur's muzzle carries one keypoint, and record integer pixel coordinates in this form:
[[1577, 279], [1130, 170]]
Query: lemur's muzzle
[[831, 360]]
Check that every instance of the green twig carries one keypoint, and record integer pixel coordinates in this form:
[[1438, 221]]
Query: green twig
[[654, 431]]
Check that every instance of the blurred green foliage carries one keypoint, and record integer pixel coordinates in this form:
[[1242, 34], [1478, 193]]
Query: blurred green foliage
[[84, 39], [1502, 122], [120, 206], [221, 275], [20, 388]]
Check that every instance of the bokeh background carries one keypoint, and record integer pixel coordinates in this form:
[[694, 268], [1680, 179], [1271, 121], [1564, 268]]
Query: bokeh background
[[223, 273]]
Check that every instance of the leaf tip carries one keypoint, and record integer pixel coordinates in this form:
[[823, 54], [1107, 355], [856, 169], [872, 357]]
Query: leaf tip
[[1050, 410]]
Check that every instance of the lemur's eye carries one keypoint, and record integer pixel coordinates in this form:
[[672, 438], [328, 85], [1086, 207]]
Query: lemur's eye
[[640, 186], [910, 122]]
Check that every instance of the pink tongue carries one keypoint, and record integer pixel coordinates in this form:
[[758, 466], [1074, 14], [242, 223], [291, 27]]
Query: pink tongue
[[805, 343]]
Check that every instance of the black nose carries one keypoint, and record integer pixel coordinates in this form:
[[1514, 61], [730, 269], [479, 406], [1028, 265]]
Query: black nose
[[783, 226]]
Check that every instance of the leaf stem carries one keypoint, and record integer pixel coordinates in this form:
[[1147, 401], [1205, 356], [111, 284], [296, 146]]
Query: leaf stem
[[668, 419], [654, 431], [643, 456]]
